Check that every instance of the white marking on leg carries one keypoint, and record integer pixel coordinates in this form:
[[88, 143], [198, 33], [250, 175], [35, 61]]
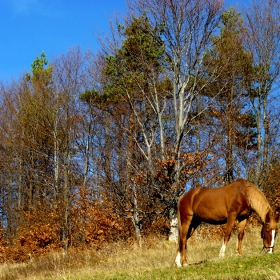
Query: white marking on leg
[[222, 251], [237, 248], [178, 260], [272, 241]]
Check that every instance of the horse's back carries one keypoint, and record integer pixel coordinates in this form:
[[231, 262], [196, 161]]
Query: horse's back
[[213, 205]]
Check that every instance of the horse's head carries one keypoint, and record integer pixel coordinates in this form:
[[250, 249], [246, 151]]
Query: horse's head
[[269, 232]]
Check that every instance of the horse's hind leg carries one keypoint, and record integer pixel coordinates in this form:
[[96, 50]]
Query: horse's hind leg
[[181, 259], [241, 225]]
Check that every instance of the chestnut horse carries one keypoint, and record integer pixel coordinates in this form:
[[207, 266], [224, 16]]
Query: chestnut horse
[[224, 205]]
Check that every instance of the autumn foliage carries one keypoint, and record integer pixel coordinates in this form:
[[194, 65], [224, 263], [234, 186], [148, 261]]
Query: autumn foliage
[[37, 234], [98, 147], [93, 223]]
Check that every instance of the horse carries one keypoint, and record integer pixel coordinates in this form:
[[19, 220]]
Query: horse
[[224, 205]]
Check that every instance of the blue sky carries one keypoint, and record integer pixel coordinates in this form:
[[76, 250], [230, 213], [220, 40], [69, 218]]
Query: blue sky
[[29, 27]]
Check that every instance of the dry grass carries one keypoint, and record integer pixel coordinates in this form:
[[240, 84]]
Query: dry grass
[[87, 262], [118, 261]]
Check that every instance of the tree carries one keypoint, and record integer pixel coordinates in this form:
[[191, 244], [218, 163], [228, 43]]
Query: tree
[[159, 72], [263, 37], [69, 82], [187, 27], [27, 105], [133, 72], [230, 111], [35, 121]]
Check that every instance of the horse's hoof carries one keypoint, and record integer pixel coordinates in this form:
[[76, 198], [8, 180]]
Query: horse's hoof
[[185, 264]]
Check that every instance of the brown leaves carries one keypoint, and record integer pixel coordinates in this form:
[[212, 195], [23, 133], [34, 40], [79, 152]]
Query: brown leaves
[[165, 169], [94, 221], [37, 234]]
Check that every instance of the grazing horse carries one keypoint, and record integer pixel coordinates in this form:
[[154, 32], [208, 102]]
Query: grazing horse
[[224, 205]]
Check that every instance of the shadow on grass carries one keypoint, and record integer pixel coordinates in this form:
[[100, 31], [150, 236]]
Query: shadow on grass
[[198, 263]]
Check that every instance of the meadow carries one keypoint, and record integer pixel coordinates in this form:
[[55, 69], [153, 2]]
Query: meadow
[[154, 260]]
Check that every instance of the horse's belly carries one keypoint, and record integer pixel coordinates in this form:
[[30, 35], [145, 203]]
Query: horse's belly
[[216, 221], [211, 218]]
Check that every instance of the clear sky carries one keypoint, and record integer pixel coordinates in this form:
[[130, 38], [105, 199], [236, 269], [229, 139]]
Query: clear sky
[[29, 27]]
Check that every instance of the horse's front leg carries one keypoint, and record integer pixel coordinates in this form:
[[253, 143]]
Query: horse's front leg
[[241, 225], [230, 224], [181, 259]]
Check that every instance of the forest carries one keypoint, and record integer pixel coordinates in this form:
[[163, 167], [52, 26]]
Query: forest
[[98, 147]]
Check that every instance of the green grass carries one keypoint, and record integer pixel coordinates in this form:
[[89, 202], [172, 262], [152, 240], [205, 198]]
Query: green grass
[[155, 260]]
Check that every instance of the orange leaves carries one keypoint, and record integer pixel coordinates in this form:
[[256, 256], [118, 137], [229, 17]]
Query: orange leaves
[[140, 180], [37, 234], [3, 245], [40, 235], [93, 221], [38, 240], [191, 161], [216, 113], [167, 163], [165, 169], [90, 222]]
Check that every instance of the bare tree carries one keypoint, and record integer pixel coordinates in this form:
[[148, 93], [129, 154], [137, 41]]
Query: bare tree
[[161, 90], [69, 82], [263, 38], [187, 27]]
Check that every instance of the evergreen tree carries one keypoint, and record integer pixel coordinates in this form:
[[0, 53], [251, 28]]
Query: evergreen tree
[[230, 111]]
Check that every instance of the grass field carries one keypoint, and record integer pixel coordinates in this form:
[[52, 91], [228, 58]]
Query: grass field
[[155, 260]]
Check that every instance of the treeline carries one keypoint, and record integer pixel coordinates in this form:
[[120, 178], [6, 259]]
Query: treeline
[[98, 147]]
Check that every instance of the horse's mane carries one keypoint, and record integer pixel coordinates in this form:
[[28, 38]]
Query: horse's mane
[[257, 201]]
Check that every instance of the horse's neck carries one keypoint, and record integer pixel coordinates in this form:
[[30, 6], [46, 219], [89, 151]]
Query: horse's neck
[[258, 202]]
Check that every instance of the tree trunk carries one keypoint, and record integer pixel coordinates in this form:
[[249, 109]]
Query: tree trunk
[[229, 161], [137, 221], [259, 156], [173, 235], [65, 230], [266, 125], [56, 164]]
